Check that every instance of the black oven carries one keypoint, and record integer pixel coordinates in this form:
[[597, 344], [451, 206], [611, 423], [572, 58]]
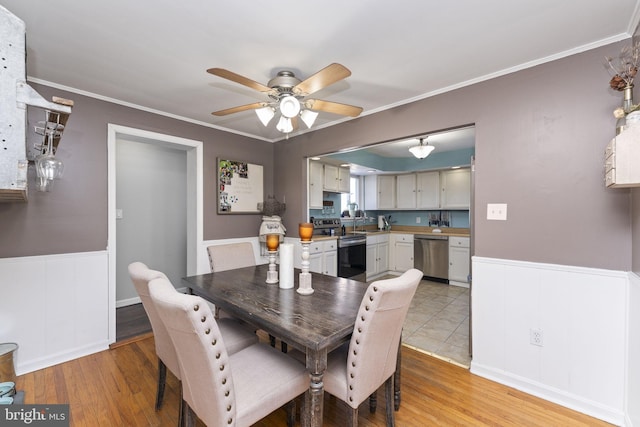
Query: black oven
[[352, 257]]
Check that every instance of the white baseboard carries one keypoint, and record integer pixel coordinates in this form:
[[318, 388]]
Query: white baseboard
[[459, 284], [128, 302], [551, 394], [54, 359]]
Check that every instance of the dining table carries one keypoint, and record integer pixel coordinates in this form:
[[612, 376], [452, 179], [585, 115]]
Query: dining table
[[315, 324]]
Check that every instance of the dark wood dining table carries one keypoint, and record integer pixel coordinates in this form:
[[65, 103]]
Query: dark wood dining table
[[314, 324]]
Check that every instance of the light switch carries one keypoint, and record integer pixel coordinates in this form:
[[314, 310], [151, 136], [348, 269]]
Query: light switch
[[497, 211], [118, 213]]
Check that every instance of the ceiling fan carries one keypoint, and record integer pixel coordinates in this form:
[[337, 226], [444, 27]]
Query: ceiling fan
[[288, 94]]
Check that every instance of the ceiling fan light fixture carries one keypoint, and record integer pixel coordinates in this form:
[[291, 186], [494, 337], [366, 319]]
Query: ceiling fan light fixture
[[308, 117], [421, 151], [265, 114], [284, 125], [289, 106]]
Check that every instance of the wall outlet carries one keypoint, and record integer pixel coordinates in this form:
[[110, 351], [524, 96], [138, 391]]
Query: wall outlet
[[497, 211], [536, 337], [418, 220]]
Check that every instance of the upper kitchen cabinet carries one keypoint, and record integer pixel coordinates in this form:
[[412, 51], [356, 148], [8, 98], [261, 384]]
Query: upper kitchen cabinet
[[336, 179], [316, 182], [428, 190], [406, 191], [379, 192], [456, 189], [418, 190], [450, 189]]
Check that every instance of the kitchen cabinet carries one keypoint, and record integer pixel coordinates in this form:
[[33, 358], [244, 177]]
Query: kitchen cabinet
[[621, 159], [336, 179], [428, 190], [377, 255], [401, 252], [456, 189], [459, 260], [323, 257], [316, 182], [406, 191], [379, 192]]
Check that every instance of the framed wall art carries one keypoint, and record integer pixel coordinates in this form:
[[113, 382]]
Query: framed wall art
[[240, 187]]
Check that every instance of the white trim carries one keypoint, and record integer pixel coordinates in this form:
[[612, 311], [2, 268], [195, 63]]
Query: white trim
[[584, 313], [195, 227], [61, 357], [65, 317]]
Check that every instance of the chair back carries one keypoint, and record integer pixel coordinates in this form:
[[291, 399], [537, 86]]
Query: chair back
[[373, 349], [230, 256], [141, 275], [207, 384]]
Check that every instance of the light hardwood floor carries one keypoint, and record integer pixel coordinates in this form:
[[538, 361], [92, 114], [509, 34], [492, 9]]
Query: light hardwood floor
[[117, 387]]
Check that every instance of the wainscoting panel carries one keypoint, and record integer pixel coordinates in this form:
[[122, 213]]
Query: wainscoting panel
[[580, 315], [55, 307], [632, 404]]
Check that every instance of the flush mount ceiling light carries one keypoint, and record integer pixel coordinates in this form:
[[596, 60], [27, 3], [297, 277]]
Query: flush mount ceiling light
[[288, 95], [421, 151]]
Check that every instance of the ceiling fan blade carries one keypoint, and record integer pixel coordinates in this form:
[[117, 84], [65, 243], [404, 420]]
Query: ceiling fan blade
[[333, 107], [230, 75], [323, 78], [246, 107]]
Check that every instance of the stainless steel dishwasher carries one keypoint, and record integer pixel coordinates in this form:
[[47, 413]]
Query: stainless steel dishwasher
[[431, 255]]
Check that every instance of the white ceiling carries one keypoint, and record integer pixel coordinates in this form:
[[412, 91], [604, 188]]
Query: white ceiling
[[153, 54]]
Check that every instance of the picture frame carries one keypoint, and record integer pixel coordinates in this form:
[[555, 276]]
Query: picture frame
[[240, 187]]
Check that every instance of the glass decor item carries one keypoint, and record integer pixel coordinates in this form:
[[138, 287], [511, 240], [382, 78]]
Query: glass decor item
[[273, 240], [305, 229]]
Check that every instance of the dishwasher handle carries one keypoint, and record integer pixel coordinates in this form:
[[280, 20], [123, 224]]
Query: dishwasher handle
[[429, 237]]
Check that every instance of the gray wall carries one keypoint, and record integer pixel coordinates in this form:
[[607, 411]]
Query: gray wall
[[540, 136], [151, 183], [73, 218]]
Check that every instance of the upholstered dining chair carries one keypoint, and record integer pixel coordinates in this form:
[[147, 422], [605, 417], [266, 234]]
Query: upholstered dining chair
[[220, 388], [236, 335], [358, 368], [229, 256]]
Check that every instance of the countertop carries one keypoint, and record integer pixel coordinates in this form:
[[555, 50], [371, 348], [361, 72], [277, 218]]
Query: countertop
[[446, 231]]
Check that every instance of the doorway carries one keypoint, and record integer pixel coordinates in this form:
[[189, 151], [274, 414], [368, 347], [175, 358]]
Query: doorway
[[438, 321], [152, 144]]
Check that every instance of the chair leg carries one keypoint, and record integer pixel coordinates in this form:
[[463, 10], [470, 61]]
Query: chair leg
[[388, 393], [188, 415], [283, 347], [396, 380], [290, 407], [373, 402], [162, 378], [181, 408], [353, 417], [272, 340]]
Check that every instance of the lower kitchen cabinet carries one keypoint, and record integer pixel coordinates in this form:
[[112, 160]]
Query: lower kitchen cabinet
[[401, 252], [323, 257], [377, 255], [459, 260]]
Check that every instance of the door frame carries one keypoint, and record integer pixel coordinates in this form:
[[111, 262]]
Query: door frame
[[194, 152]]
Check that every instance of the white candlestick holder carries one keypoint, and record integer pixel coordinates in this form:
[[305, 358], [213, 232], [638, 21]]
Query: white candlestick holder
[[272, 274], [304, 279]]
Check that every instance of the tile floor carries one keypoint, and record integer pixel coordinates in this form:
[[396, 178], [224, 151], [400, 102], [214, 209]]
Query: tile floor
[[438, 322]]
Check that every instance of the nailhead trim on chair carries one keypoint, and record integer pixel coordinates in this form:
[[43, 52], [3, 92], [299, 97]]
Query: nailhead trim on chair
[[363, 319], [218, 355]]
